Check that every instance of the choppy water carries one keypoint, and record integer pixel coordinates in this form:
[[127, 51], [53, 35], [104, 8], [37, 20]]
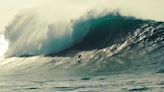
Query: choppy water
[[112, 83]]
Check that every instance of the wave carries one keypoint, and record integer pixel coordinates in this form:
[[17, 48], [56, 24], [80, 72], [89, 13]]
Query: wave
[[29, 35], [108, 43]]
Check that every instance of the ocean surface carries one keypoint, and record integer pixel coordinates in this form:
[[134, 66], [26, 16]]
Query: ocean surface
[[118, 54]]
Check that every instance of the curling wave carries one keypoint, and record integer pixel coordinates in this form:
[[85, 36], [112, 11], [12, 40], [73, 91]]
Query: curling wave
[[28, 35]]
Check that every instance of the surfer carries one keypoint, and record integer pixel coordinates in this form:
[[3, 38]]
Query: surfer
[[79, 59]]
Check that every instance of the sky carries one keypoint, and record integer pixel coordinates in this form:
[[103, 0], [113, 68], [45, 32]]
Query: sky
[[151, 9], [9, 8]]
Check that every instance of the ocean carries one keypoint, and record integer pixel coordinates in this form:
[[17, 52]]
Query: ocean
[[107, 52]]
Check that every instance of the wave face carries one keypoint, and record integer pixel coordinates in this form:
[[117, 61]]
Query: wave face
[[28, 35]]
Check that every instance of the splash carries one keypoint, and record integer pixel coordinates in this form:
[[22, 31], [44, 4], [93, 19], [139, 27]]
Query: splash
[[3, 46], [29, 35]]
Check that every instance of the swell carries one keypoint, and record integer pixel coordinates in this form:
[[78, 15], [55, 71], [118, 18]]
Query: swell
[[29, 36]]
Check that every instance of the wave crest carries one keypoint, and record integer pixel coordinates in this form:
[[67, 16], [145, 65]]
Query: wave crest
[[29, 35]]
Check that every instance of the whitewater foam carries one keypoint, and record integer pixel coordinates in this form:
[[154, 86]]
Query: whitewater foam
[[3, 45]]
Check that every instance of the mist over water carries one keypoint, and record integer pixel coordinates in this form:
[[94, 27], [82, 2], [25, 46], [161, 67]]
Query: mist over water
[[3, 45]]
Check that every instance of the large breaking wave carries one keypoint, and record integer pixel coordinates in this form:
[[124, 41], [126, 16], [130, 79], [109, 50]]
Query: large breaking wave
[[108, 43], [29, 35]]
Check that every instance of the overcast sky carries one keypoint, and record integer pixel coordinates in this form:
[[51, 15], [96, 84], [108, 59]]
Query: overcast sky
[[151, 9]]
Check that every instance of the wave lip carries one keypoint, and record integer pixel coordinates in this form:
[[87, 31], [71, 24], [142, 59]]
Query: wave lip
[[29, 35]]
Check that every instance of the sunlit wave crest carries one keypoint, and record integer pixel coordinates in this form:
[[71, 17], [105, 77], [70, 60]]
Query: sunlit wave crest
[[3, 45]]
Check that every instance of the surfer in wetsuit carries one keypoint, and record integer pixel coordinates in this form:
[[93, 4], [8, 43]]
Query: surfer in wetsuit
[[79, 59]]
